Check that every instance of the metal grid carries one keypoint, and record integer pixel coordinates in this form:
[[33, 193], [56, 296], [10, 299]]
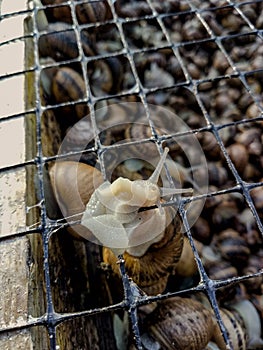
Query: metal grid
[[51, 319]]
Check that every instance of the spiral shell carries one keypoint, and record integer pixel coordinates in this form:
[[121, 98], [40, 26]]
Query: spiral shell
[[68, 85], [181, 323], [72, 184], [232, 246], [151, 270], [93, 12], [59, 43], [60, 13], [235, 330], [105, 75]]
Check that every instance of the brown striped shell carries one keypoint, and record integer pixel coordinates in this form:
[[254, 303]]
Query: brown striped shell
[[93, 12], [59, 43], [68, 85], [235, 330], [181, 324]]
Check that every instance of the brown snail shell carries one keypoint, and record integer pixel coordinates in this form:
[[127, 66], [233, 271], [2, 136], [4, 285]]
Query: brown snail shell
[[151, 270], [105, 75], [135, 132], [68, 85], [186, 265], [181, 323], [93, 12], [251, 139], [72, 184], [239, 155], [59, 43], [257, 197], [201, 230], [235, 331], [210, 145], [60, 13], [232, 246]]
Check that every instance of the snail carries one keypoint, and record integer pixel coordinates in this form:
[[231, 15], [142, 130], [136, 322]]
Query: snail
[[209, 145], [243, 326], [68, 85], [232, 247], [150, 240], [257, 197], [86, 13], [60, 13], [250, 138], [93, 12], [218, 175], [178, 323], [105, 75], [235, 330], [131, 9], [189, 324], [60, 42], [239, 156]]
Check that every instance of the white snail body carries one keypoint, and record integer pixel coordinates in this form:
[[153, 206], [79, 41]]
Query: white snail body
[[113, 215]]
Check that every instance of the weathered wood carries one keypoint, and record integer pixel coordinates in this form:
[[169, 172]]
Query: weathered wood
[[71, 272]]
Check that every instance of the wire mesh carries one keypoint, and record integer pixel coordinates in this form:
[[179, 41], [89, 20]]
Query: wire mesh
[[225, 33]]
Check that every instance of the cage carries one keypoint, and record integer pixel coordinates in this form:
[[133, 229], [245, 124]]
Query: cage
[[113, 85]]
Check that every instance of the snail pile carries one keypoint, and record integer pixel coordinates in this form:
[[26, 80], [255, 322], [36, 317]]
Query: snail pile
[[127, 213]]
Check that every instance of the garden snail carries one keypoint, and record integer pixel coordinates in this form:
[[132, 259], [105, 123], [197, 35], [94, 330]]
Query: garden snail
[[61, 13], [86, 13], [93, 12], [60, 43], [179, 323], [68, 85], [150, 240], [232, 247], [187, 324], [243, 326]]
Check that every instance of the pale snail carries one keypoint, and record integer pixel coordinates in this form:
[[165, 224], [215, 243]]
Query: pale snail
[[151, 240]]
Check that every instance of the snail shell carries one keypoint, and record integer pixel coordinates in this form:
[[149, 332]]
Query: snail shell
[[72, 184], [151, 240], [93, 12], [151, 270], [187, 266], [257, 197], [60, 13], [232, 247], [60, 43], [251, 322], [235, 330], [137, 131], [105, 75], [68, 85], [239, 156], [181, 323]]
